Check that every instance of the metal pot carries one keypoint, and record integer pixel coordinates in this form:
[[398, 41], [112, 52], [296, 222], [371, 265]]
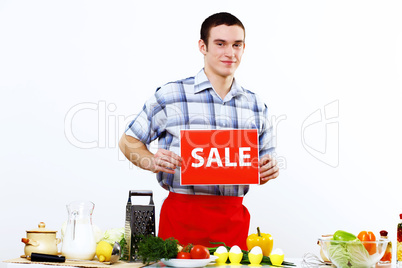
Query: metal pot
[[41, 240]]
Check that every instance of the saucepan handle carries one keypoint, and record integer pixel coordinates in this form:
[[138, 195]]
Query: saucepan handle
[[30, 242]]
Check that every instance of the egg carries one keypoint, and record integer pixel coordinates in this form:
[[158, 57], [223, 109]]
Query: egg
[[256, 250], [277, 256], [221, 249], [235, 255], [277, 251], [222, 254], [235, 249], [255, 256]]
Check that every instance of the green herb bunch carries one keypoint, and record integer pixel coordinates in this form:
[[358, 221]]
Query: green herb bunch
[[153, 249]]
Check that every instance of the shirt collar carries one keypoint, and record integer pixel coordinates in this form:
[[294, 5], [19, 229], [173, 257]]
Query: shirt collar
[[201, 83]]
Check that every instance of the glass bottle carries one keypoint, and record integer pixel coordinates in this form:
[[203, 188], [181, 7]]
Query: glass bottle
[[387, 258], [399, 243]]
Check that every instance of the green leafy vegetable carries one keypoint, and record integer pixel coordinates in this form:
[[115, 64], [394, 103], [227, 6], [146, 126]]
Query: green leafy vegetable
[[153, 249], [115, 235], [349, 254]]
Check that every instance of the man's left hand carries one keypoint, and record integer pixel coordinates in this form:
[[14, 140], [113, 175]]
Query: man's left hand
[[268, 169]]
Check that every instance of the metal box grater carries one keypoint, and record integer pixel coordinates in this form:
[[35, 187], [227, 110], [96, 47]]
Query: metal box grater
[[140, 220]]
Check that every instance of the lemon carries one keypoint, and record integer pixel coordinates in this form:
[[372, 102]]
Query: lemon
[[104, 251]]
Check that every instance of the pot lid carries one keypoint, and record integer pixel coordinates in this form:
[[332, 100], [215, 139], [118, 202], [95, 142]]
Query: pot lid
[[41, 229]]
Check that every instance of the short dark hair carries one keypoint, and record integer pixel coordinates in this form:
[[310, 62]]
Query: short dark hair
[[222, 18]]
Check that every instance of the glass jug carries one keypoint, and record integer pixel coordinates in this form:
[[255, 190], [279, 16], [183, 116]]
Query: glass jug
[[79, 240]]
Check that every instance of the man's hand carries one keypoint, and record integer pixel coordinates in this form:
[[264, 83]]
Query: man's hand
[[138, 154], [165, 161], [268, 169]]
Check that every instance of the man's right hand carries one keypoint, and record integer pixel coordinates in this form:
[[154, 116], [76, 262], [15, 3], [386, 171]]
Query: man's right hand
[[165, 161], [138, 154]]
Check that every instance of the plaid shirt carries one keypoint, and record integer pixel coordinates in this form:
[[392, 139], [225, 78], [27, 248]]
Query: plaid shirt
[[192, 103]]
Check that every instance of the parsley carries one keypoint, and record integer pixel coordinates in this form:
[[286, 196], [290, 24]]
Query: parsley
[[153, 249]]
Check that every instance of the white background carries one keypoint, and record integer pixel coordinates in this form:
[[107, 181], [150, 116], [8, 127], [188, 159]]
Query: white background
[[88, 67]]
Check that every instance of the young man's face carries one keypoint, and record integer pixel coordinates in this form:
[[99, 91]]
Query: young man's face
[[224, 50]]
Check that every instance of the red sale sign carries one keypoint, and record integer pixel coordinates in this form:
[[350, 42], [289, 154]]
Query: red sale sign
[[225, 156]]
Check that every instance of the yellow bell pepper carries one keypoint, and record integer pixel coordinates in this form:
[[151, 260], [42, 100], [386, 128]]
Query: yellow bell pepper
[[264, 241]]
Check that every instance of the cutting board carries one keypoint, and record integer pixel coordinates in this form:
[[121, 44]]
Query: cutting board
[[84, 264]]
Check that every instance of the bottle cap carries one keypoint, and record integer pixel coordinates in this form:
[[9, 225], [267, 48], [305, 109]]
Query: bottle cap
[[400, 216], [383, 233]]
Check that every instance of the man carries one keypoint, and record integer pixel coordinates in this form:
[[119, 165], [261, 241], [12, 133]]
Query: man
[[210, 100]]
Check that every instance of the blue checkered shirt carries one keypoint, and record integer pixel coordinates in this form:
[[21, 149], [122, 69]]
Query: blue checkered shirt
[[192, 103]]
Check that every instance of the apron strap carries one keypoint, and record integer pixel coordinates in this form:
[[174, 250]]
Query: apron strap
[[201, 219]]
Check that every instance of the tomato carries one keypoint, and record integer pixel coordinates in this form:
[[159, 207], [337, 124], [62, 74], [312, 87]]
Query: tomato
[[183, 255], [199, 252]]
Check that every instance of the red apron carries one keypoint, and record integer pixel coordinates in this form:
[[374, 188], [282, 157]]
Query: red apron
[[200, 219]]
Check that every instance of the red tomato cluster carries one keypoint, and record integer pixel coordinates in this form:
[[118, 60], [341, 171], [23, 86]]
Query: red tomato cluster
[[183, 255], [196, 252]]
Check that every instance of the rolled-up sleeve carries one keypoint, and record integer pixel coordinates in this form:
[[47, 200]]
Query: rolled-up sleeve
[[266, 138], [150, 122]]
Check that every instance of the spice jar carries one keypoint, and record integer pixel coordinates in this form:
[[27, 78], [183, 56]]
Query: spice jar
[[399, 243], [387, 257]]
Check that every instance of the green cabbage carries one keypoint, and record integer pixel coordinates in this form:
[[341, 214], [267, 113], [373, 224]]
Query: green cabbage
[[114, 235], [349, 254]]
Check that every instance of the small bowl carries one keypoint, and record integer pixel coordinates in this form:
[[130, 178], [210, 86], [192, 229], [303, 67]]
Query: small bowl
[[346, 254]]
